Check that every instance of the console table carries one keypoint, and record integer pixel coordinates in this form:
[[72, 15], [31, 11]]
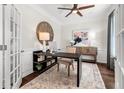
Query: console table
[[89, 54], [45, 63]]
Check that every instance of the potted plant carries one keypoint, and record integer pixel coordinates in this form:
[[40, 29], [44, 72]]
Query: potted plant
[[39, 66]]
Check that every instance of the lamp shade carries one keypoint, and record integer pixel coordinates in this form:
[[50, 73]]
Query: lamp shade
[[44, 36]]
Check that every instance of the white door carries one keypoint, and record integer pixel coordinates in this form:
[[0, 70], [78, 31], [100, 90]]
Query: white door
[[119, 64], [1, 50], [12, 40]]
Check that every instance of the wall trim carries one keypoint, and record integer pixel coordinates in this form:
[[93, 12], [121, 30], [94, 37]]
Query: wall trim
[[27, 52]]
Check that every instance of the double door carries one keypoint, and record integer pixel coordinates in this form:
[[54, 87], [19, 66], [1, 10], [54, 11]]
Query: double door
[[10, 51], [119, 64]]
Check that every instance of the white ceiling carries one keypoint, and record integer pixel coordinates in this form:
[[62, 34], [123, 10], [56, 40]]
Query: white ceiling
[[99, 11]]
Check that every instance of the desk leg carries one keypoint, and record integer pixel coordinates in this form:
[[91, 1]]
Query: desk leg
[[56, 59], [79, 71]]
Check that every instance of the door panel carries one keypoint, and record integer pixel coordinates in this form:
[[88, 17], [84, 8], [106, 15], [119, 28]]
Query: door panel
[[12, 54], [1, 52], [6, 42], [119, 68]]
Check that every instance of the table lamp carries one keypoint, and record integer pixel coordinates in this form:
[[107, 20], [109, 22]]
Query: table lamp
[[44, 36]]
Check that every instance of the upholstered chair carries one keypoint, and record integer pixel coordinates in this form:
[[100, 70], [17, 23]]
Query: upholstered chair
[[66, 61]]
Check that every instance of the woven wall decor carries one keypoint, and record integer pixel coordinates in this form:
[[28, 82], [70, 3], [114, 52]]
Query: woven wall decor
[[44, 27]]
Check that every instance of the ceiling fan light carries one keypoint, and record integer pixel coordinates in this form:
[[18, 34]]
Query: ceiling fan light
[[74, 11]]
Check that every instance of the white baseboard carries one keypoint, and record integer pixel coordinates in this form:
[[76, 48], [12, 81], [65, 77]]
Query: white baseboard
[[101, 61]]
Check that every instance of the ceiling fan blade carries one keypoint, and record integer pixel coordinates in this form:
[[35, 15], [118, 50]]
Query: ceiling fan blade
[[68, 14], [65, 8], [79, 13], [75, 6], [85, 7]]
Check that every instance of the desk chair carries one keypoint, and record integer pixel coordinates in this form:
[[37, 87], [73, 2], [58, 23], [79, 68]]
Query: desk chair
[[66, 61]]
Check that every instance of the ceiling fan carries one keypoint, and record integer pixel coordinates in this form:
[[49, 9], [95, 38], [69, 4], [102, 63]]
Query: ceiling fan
[[75, 9]]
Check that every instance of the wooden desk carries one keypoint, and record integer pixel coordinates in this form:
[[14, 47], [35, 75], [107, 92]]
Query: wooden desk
[[75, 56]]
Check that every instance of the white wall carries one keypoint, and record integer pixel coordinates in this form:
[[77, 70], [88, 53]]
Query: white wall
[[96, 26], [31, 15]]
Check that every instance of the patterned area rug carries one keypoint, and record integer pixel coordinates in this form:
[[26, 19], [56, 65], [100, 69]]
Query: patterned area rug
[[51, 79]]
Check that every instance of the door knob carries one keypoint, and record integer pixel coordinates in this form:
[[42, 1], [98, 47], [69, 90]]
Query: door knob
[[115, 58], [22, 51]]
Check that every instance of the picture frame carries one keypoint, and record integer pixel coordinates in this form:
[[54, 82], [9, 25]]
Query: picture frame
[[81, 34], [81, 37]]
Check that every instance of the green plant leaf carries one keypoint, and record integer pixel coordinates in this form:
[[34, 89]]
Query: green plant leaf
[[39, 66]]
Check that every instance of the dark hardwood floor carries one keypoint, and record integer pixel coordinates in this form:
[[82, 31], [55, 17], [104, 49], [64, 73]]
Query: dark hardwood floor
[[28, 78], [107, 75]]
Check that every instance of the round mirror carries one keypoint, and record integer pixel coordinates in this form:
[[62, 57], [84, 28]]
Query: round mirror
[[44, 27]]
